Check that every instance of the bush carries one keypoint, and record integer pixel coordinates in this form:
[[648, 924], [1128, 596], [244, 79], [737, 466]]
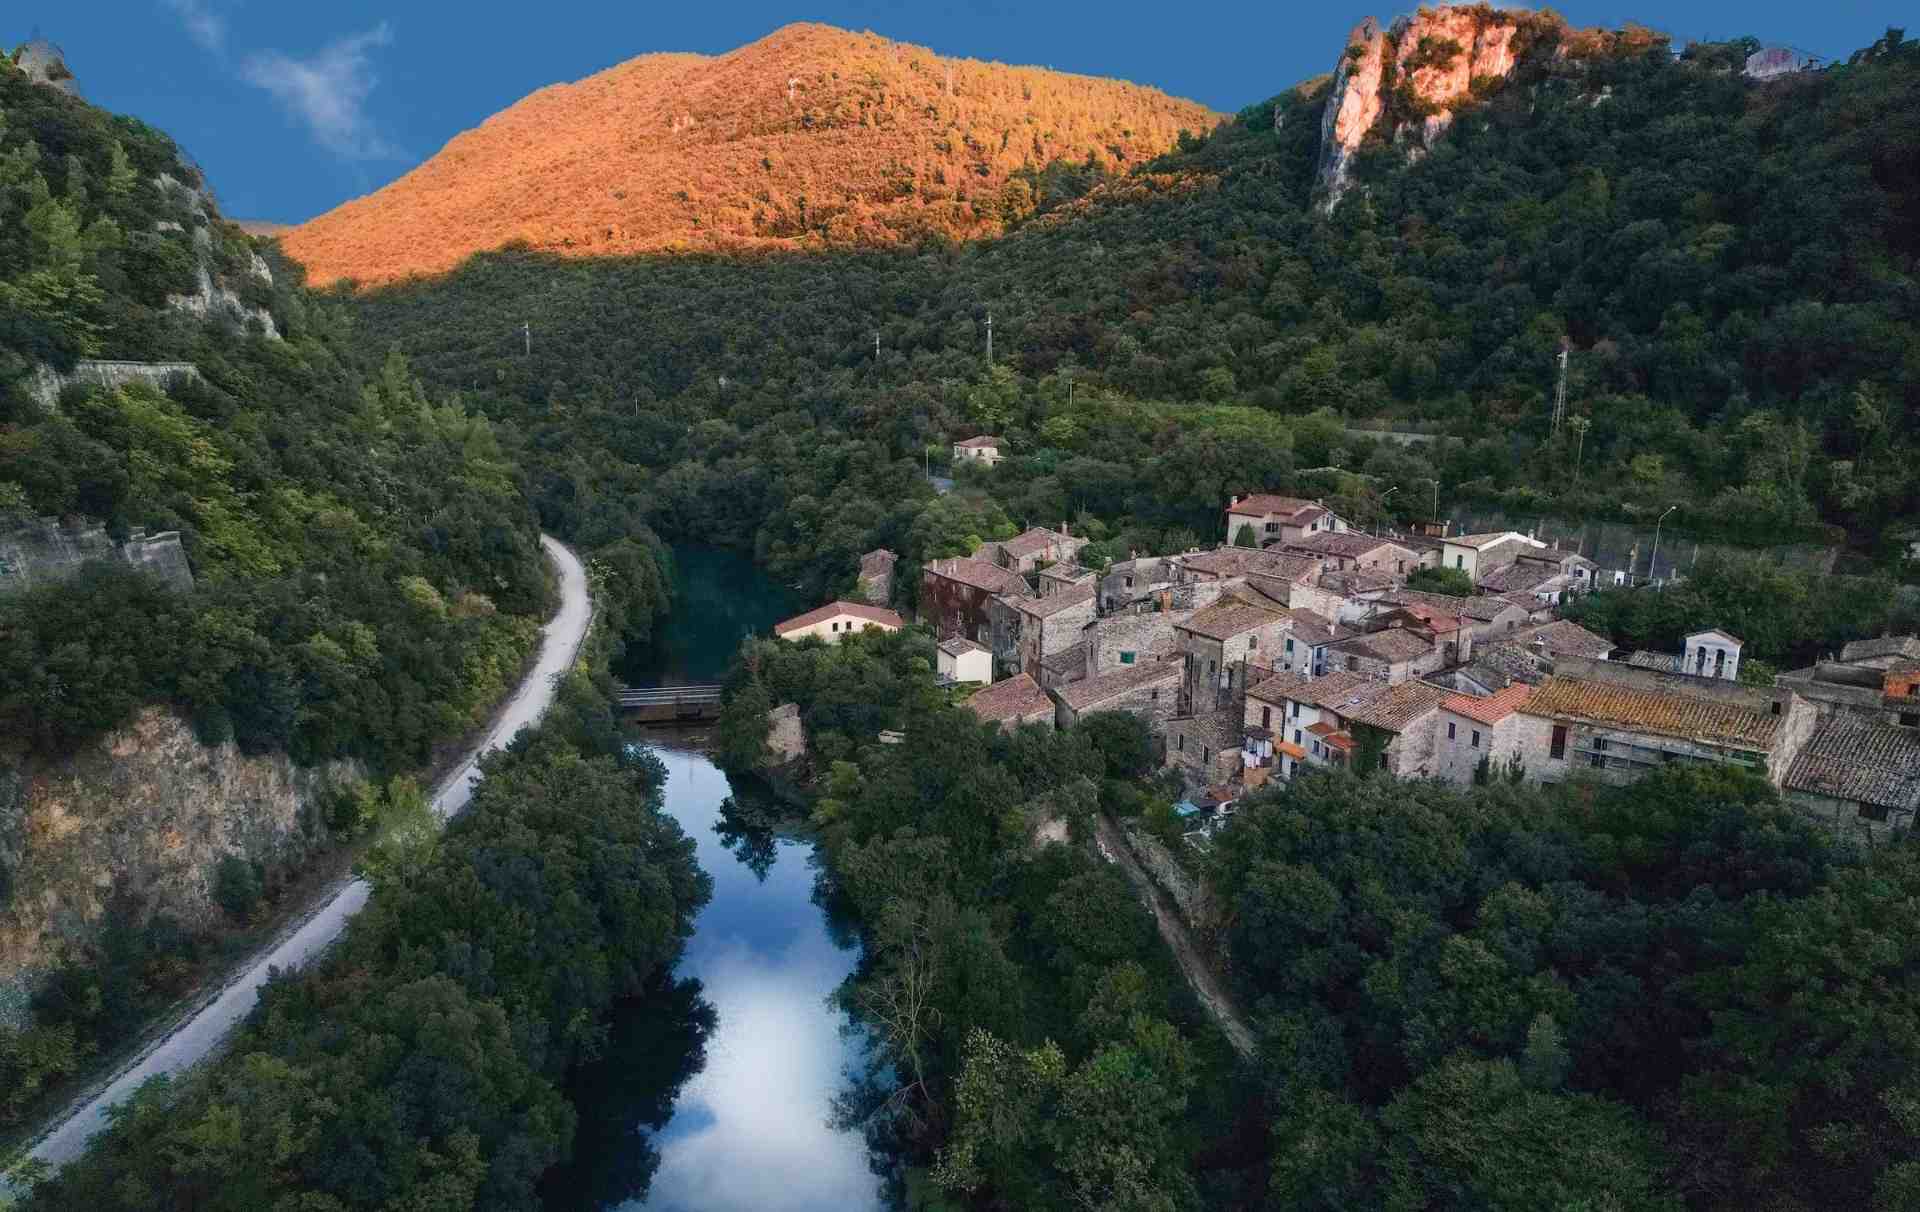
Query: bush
[[236, 887]]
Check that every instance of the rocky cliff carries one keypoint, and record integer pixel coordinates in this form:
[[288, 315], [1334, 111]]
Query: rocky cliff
[[1405, 83], [146, 810]]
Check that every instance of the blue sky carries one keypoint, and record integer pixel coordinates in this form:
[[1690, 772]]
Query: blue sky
[[293, 108]]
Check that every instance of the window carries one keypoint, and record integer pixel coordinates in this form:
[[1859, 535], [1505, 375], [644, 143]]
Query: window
[[1559, 749], [1598, 761], [1206, 755], [1180, 743], [1253, 643], [1353, 664], [1600, 744], [1289, 647], [1909, 719], [1296, 709], [1129, 582], [1266, 717], [1154, 696], [1451, 731], [1459, 561], [1126, 658], [1212, 668], [1719, 662], [1272, 527], [1475, 742], [1296, 736]]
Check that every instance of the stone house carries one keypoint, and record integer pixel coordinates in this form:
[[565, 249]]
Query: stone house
[[1278, 519], [1866, 679], [1206, 748], [1356, 551], [1123, 641], [837, 620], [1478, 555], [1016, 701], [1305, 650], [1452, 635], [984, 449], [1036, 546], [1474, 734], [1858, 775], [1489, 617], [1216, 644], [955, 595], [1233, 563], [876, 576], [1330, 719], [1055, 577], [1546, 574], [958, 659], [1608, 720], [1150, 690], [1134, 580], [1027, 630], [1391, 656]]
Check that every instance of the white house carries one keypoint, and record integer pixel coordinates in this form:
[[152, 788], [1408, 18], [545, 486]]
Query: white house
[[838, 619], [1465, 552], [983, 449], [961, 660]]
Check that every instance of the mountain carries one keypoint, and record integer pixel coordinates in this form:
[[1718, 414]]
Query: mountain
[[810, 137]]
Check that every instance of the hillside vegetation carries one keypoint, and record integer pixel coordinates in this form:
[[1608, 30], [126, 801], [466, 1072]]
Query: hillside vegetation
[[811, 137], [1730, 261]]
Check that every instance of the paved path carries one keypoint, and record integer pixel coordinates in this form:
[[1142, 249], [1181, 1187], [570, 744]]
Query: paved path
[[193, 1039], [1206, 986]]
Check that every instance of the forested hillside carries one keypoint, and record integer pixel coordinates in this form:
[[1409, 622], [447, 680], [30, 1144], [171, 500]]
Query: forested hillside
[[1730, 262], [367, 577], [812, 137]]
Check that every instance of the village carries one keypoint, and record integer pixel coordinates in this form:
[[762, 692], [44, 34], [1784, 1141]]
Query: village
[[1304, 641]]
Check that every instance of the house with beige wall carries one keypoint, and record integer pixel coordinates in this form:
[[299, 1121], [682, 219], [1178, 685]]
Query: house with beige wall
[[836, 620]]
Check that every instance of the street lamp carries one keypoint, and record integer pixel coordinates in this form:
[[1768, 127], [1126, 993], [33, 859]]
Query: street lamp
[[1656, 543], [1383, 499], [1436, 497]]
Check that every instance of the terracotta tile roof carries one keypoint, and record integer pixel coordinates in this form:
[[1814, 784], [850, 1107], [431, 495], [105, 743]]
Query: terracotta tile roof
[[1665, 662], [1477, 541], [1314, 691], [834, 610], [1264, 504], [1322, 729], [1065, 571], [1238, 561], [981, 575], [1340, 741], [1035, 540], [1395, 707], [1225, 619], [1348, 544], [1313, 630], [1481, 608], [1886, 646], [981, 442], [1291, 750], [1517, 576], [1015, 698], [1507, 660], [1566, 637], [1848, 758], [1041, 608], [1394, 645], [1492, 709], [1432, 617], [960, 646], [1086, 695], [1662, 712]]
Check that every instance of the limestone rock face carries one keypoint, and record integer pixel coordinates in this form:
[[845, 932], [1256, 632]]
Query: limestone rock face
[[1415, 75], [149, 809]]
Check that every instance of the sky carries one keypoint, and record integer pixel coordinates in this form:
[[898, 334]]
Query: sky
[[293, 108]]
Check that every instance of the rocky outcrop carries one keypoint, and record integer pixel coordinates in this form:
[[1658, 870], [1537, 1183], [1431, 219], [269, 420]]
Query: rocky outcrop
[[212, 296], [1407, 82], [45, 383], [46, 65], [146, 810], [43, 551]]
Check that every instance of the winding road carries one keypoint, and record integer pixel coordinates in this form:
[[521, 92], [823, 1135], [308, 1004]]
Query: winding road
[[195, 1037]]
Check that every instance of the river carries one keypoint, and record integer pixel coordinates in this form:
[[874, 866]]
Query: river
[[750, 1128]]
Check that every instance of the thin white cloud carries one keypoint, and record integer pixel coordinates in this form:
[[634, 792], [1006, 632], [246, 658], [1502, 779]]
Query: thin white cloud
[[201, 22], [328, 92]]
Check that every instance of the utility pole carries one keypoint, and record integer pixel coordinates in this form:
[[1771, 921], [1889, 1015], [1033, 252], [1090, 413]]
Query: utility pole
[[1653, 559], [1560, 393], [876, 347], [526, 330], [989, 338]]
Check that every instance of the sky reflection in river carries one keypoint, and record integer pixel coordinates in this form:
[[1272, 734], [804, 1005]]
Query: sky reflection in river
[[750, 1131]]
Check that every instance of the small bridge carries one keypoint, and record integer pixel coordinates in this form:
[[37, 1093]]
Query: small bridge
[[671, 704]]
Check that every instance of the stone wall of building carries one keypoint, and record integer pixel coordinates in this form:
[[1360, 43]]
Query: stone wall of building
[[1154, 700], [786, 737], [1206, 749]]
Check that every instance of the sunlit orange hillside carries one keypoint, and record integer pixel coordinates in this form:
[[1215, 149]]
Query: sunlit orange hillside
[[811, 136]]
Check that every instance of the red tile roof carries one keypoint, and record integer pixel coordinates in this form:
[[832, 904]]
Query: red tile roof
[[834, 610], [1291, 750], [1015, 698], [1493, 708], [1228, 618], [1072, 595], [1265, 504], [1663, 712], [984, 440], [980, 575]]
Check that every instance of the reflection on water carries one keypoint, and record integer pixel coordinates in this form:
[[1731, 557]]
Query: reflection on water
[[719, 598], [751, 1130]]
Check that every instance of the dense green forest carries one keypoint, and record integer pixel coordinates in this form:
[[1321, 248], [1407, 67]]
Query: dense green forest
[[1729, 261], [421, 1064], [368, 581], [1038, 1047]]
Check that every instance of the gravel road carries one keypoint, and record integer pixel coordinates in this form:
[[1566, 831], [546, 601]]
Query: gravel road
[[201, 1034]]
